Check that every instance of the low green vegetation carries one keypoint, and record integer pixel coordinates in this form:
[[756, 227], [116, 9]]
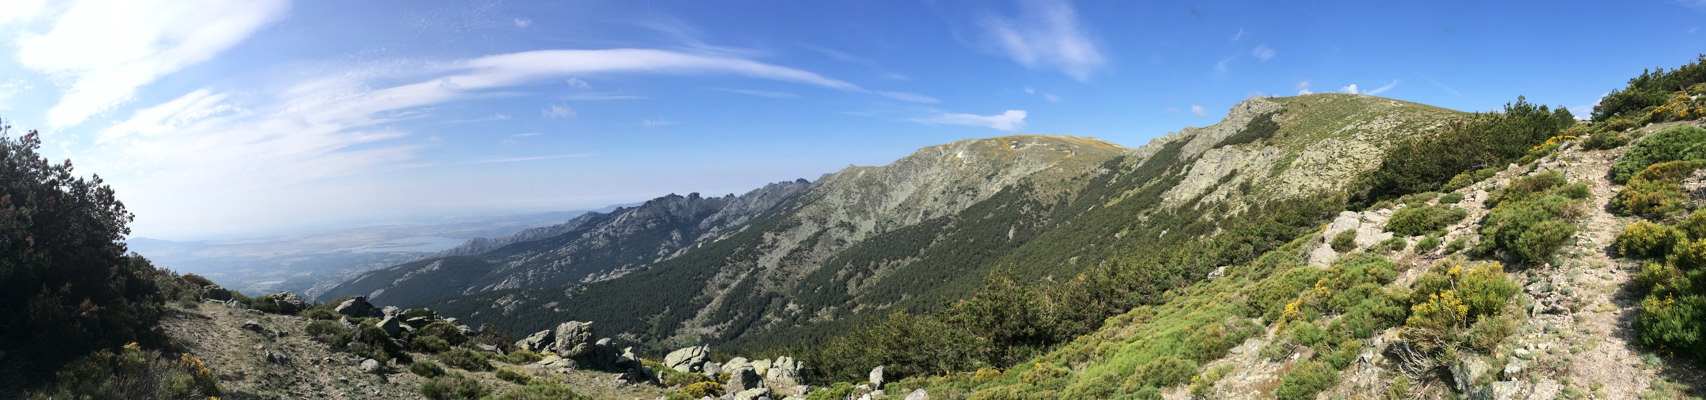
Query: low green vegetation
[[1679, 143], [1422, 220], [454, 387], [539, 389], [1532, 217], [1469, 150], [1655, 192], [427, 369], [1653, 96]]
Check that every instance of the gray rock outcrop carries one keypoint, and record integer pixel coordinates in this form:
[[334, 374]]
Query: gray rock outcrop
[[784, 372], [1465, 372], [917, 395], [214, 292], [391, 326], [753, 394], [573, 339], [688, 359], [876, 377], [288, 303], [538, 342], [357, 307], [743, 378], [371, 366]]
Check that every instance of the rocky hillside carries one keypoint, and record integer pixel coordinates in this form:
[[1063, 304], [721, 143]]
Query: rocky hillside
[[930, 227], [592, 247]]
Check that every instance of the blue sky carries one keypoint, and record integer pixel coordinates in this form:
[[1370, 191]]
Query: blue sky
[[230, 118]]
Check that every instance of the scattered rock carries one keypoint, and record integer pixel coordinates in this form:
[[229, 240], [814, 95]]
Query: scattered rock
[[491, 348], [762, 367], [275, 357], [538, 342], [917, 395], [288, 303], [357, 307], [1514, 368], [391, 311], [390, 325], [254, 326], [574, 339], [370, 366], [785, 372], [688, 359], [743, 379], [753, 394], [1465, 372], [712, 368], [418, 321], [1497, 391], [214, 292], [876, 377]]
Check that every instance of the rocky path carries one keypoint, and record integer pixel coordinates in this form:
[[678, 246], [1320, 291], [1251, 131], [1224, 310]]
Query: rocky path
[[297, 367]]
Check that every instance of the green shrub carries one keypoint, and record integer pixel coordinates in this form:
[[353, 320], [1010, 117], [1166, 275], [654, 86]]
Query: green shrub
[[1166, 371], [1649, 90], [1605, 140], [130, 373], [1530, 218], [1646, 239], [1680, 143], [522, 356], [427, 369], [1451, 198], [454, 387], [1484, 335], [429, 344], [1456, 245], [329, 332], [1305, 380], [1673, 323], [1427, 244], [465, 359], [1420, 163], [543, 390], [1308, 334], [368, 340], [512, 376], [1393, 244], [1467, 178], [1345, 240], [1421, 220], [702, 389], [446, 331], [1691, 254]]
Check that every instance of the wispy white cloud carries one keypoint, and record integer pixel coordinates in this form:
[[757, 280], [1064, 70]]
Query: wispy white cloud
[[1011, 120], [1303, 87], [523, 22], [657, 122], [557, 111], [1352, 89], [501, 160], [1046, 34], [122, 45], [762, 93], [1046, 96], [1198, 110], [1382, 89], [1237, 36], [1225, 63], [1263, 53], [297, 142], [526, 134], [909, 97], [1170, 109], [577, 83], [11, 88]]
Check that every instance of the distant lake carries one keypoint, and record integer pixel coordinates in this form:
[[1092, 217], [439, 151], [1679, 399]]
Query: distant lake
[[422, 244]]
